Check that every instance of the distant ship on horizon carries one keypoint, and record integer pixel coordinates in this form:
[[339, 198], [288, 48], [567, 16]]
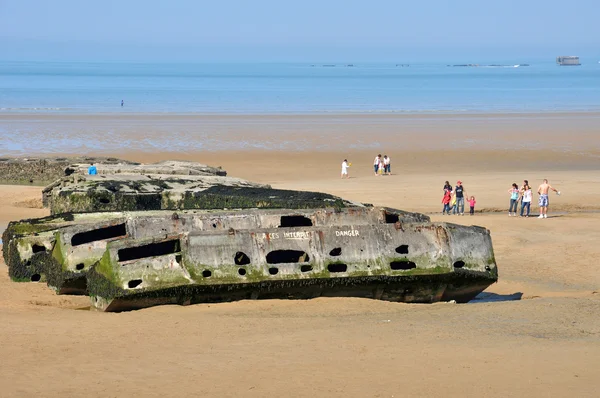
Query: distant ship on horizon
[[568, 60]]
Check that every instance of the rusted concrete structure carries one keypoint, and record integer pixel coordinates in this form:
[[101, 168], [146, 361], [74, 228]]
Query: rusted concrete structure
[[133, 260], [43, 171], [119, 187]]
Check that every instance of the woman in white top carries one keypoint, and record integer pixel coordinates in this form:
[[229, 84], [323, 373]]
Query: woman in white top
[[526, 196], [345, 166], [387, 166], [376, 163]]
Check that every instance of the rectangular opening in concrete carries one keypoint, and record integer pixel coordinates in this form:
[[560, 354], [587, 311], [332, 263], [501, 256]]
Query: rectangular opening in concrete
[[295, 221], [287, 256], [94, 235], [391, 218], [151, 250]]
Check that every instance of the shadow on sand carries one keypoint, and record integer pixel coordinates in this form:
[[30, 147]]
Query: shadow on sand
[[486, 297]]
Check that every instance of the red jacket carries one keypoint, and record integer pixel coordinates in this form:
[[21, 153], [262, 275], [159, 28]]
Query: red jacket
[[447, 197]]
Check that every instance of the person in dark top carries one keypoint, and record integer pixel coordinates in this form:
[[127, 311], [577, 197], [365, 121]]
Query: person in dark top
[[122, 102], [447, 187], [460, 193]]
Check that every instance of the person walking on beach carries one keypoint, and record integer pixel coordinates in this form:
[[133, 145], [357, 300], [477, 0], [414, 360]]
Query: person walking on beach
[[460, 193], [376, 163], [543, 202], [447, 187], [446, 201], [472, 205], [514, 200], [387, 165], [345, 166], [122, 103], [453, 203], [526, 196]]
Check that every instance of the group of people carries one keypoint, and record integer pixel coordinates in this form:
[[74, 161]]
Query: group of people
[[525, 195], [382, 165], [454, 200]]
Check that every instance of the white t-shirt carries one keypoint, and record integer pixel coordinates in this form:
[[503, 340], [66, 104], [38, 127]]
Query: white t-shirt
[[527, 196], [344, 168], [376, 161], [386, 161]]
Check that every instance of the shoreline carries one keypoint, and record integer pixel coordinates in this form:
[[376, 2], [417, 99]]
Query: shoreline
[[435, 114], [405, 135]]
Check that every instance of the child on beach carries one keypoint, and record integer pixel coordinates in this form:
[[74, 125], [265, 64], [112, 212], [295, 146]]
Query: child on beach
[[453, 204], [345, 166], [446, 202], [472, 205]]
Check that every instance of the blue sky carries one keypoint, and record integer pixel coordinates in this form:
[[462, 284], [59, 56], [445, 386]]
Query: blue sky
[[305, 30]]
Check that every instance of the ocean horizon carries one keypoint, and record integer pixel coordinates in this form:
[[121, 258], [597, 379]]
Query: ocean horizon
[[297, 88]]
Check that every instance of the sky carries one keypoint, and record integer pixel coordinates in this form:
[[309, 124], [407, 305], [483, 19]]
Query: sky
[[302, 30]]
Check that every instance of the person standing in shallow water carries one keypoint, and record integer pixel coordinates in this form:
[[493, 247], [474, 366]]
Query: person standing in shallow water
[[122, 103]]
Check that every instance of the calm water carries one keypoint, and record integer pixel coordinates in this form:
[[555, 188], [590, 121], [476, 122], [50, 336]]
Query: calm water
[[295, 88]]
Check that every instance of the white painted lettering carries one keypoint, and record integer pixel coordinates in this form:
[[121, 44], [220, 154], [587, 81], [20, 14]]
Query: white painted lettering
[[351, 232]]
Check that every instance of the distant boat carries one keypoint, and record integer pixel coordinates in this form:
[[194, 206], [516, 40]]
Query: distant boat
[[568, 60]]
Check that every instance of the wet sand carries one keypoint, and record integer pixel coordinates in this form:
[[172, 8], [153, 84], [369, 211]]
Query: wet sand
[[557, 133], [535, 333]]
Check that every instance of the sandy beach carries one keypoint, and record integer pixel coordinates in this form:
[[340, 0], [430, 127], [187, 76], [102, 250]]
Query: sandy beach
[[534, 333]]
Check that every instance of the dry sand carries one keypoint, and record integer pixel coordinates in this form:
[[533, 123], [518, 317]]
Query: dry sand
[[545, 344]]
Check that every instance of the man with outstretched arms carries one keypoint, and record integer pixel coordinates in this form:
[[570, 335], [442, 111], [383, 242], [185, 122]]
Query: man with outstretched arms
[[543, 190]]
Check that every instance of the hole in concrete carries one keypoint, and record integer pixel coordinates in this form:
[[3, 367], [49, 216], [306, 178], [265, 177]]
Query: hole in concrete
[[337, 251], [38, 248], [104, 200], [178, 259], [295, 221], [306, 268], [114, 231], [402, 265], [134, 283], [459, 264], [337, 267], [151, 250], [241, 258], [242, 271], [36, 277], [214, 225], [402, 249], [79, 267], [206, 273], [391, 218], [287, 256], [273, 271]]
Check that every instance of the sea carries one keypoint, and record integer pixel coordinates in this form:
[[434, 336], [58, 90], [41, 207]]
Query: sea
[[297, 88]]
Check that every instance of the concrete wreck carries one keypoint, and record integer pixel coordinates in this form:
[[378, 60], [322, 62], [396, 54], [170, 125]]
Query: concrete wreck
[[264, 244]]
